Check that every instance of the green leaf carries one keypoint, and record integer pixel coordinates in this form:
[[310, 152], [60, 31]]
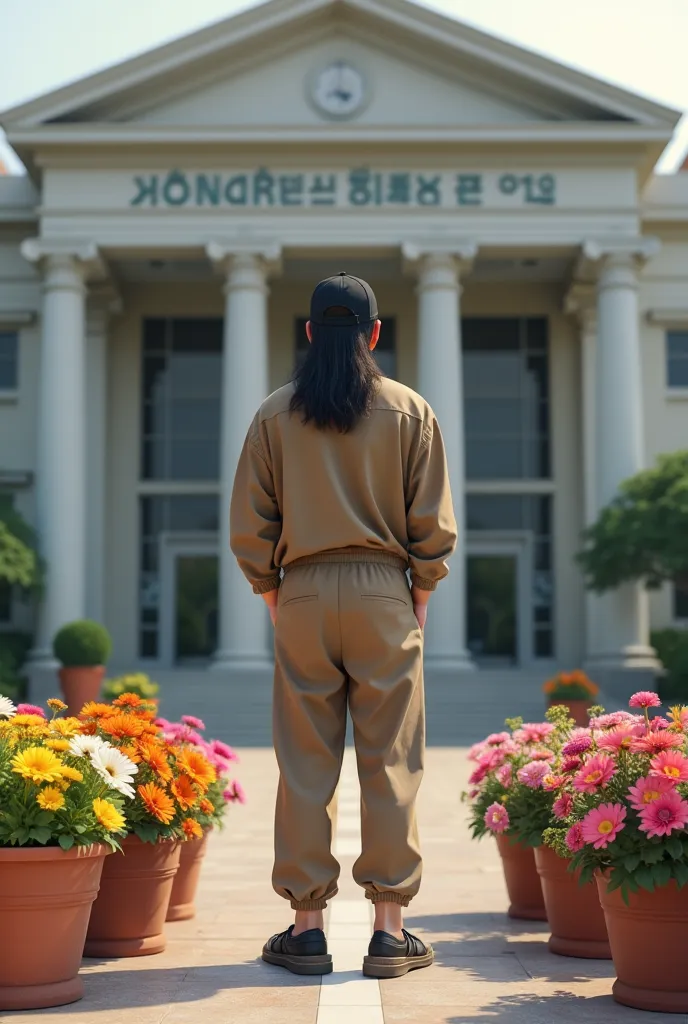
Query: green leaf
[[680, 873], [66, 842], [631, 862], [674, 848], [644, 876], [41, 835], [652, 854], [662, 874]]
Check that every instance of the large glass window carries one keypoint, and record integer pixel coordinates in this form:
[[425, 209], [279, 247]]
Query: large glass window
[[159, 514], [9, 360], [506, 398], [532, 512], [677, 359], [182, 394], [385, 352]]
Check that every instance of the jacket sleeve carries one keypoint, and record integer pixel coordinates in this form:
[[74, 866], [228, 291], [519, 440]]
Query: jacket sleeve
[[255, 522], [430, 521]]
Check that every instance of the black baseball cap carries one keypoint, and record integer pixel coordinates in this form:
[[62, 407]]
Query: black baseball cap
[[343, 290]]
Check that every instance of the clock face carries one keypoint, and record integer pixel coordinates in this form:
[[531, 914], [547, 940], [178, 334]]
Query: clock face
[[339, 90]]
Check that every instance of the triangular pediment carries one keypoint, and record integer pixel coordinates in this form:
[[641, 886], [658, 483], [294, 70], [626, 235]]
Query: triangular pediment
[[418, 68]]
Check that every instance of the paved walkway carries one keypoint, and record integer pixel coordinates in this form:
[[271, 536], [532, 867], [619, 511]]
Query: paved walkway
[[487, 969]]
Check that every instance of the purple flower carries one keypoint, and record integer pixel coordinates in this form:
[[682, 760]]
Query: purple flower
[[577, 745], [533, 773]]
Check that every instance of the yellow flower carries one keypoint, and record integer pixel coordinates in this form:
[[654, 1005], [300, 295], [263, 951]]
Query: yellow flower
[[56, 704], [70, 774], [108, 815], [67, 726], [59, 745], [29, 720], [38, 765], [50, 799]]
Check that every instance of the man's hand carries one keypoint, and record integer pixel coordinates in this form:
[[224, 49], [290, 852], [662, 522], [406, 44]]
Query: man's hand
[[271, 601], [420, 600]]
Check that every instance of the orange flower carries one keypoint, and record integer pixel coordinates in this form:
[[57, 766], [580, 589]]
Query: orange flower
[[132, 753], [155, 757], [121, 726], [197, 767], [184, 792], [206, 806], [191, 829], [95, 710], [56, 704], [130, 700], [157, 802]]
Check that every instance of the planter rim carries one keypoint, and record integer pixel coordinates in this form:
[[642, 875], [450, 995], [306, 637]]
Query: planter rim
[[99, 665], [131, 837], [40, 853]]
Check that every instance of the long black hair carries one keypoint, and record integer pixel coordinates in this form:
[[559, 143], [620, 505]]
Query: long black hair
[[338, 379]]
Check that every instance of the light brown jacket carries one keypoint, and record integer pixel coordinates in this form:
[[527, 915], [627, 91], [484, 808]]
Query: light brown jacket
[[383, 487]]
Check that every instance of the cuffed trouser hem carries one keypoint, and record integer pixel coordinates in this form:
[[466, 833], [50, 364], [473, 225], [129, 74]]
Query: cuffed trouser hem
[[308, 904], [389, 897]]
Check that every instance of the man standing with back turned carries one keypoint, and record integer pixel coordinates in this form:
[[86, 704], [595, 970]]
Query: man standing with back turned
[[342, 486]]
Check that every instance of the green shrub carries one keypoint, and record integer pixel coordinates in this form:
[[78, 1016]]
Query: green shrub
[[82, 643], [135, 682], [672, 647]]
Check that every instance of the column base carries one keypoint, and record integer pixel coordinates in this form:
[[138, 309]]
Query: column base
[[460, 662], [235, 662], [622, 673]]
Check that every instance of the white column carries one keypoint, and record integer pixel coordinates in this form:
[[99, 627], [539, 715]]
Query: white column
[[440, 381], [101, 304], [243, 618], [60, 478], [621, 630]]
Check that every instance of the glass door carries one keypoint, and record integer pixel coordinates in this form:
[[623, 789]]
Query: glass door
[[189, 598], [499, 599]]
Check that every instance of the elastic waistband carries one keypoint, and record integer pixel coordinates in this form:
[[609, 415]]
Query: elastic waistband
[[350, 555]]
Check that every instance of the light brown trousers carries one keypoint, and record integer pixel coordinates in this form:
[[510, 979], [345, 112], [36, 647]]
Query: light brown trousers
[[347, 634]]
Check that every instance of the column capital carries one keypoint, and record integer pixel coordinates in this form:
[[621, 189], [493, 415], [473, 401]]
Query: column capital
[[259, 254], [75, 255], [635, 250], [580, 301], [456, 254]]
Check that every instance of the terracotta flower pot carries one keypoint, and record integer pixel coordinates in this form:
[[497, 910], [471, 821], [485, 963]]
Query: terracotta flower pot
[[182, 906], [80, 685], [648, 943], [578, 709], [45, 902], [522, 881], [573, 911], [129, 915]]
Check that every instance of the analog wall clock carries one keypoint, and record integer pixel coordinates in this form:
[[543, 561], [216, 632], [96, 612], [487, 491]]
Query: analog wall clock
[[338, 90]]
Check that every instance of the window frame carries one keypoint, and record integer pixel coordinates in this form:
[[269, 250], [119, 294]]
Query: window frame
[[674, 391], [10, 394]]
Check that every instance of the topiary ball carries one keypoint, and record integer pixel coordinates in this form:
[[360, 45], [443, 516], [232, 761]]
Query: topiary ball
[[82, 643]]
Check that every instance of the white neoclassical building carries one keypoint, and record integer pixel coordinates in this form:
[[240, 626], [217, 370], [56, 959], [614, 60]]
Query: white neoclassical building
[[155, 269]]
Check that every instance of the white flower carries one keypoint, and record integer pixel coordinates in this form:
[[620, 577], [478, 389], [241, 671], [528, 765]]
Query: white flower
[[7, 708], [84, 746], [116, 768]]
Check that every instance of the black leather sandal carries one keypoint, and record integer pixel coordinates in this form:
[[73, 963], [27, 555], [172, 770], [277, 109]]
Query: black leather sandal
[[389, 957], [301, 954]]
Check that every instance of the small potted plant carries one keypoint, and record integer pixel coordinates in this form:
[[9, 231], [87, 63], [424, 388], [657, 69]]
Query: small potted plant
[[575, 690], [172, 780], [209, 811], [627, 826], [82, 648], [59, 818], [133, 682]]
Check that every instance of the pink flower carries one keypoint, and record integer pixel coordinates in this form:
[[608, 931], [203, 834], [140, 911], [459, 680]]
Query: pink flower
[[618, 738], [602, 824], [577, 745], [552, 782], [479, 774], [30, 709], [496, 818], [671, 764], [497, 738], [571, 764], [661, 816], [612, 719], [533, 773], [574, 838], [647, 790], [644, 699], [542, 755], [536, 732], [595, 773], [222, 750], [234, 793], [505, 775], [162, 723], [656, 742], [563, 805], [476, 750], [193, 722]]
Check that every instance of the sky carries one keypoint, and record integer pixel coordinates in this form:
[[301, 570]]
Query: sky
[[641, 45]]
